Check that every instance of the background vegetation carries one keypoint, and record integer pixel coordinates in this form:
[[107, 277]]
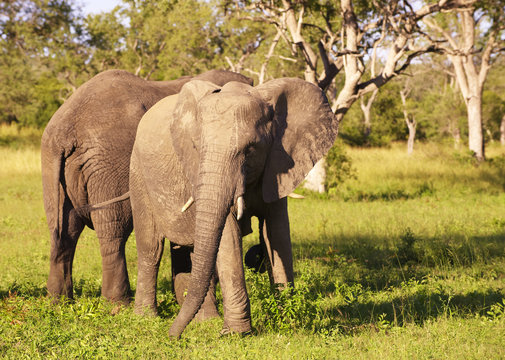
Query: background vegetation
[[49, 48]]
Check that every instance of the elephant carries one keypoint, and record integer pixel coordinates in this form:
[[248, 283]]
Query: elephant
[[206, 160], [85, 154]]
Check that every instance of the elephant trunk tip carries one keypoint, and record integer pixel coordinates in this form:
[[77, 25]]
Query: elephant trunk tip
[[174, 334], [178, 326]]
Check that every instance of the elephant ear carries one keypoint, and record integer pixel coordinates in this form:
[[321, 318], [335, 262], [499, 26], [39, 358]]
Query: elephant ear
[[304, 129], [185, 128]]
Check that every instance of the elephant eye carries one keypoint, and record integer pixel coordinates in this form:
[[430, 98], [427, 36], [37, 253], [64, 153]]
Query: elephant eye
[[249, 148]]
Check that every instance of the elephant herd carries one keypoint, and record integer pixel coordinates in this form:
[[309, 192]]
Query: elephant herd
[[191, 161]]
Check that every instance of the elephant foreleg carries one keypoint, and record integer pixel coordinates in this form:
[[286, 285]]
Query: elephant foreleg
[[277, 240], [236, 307], [149, 251], [63, 246]]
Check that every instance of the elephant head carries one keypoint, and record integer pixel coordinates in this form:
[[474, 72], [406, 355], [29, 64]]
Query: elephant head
[[237, 137]]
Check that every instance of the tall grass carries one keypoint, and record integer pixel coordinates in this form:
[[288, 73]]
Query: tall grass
[[405, 261], [20, 152], [14, 136], [24, 161], [391, 174]]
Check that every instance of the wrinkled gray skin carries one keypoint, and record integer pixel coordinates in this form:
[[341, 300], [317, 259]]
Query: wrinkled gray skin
[[86, 149], [217, 144]]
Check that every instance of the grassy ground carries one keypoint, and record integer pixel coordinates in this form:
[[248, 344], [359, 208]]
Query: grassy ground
[[405, 261]]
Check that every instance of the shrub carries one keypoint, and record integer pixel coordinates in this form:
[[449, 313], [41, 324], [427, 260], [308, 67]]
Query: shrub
[[283, 310], [338, 167]]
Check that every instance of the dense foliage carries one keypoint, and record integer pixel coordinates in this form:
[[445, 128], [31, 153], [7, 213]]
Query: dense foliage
[[49, 47]]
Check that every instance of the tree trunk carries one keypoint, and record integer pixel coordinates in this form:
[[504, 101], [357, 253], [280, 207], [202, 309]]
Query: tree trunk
[[475, 135], [411, 124], [366, 109], [502, 131], [410, 121], [368, 124], [315, 178]]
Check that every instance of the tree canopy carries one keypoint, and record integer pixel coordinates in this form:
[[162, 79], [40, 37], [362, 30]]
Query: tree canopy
[[351, 49]]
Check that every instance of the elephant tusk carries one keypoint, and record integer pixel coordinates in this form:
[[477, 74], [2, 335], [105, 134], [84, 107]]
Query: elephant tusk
[[240, 205], [296, 196], [188, 203]]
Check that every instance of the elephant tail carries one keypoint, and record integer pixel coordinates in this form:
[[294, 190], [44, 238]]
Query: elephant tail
[[89, 208]]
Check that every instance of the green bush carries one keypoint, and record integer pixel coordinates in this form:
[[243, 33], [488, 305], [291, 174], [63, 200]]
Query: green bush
[[283, 310], [338, 167]]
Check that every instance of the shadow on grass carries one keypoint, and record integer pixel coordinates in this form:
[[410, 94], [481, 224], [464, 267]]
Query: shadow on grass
[[82, 288], [25, 290], [374, 253], [373, 264], [416, 308]]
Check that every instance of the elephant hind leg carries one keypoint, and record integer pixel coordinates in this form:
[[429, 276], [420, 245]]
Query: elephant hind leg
[[277, 241], [63, 243], [113, 226], [181, 276]]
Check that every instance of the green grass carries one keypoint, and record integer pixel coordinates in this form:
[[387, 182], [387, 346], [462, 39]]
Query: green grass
[[406, 261]]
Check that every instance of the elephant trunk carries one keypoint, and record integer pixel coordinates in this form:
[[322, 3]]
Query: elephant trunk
[[213, 202]]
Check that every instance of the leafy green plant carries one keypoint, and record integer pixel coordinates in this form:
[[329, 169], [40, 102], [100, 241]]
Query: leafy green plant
[[406, 251], [383, 323], [338, 167], [282, 310], [497, 311]]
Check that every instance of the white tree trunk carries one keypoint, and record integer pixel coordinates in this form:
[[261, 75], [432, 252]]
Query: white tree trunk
[[475, 135], [411, 124], [367, 123], [410, 121], [315, 178], [366, 109]]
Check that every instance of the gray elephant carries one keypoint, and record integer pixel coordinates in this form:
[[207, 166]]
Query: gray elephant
[[86, 149], [235, 151]]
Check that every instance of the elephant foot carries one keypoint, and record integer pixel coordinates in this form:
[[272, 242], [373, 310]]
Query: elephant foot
[[115, 282], [144, 310], [242, 331], [120, 301], [59, 295], [117, 294], [255, 259], [59, 282]]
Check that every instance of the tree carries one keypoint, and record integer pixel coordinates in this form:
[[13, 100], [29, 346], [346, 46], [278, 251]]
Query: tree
[[493, 101], [42, 58], [345, 34], [474, 39]]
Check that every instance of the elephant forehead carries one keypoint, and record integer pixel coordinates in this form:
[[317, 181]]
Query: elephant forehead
[[238, 107]]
